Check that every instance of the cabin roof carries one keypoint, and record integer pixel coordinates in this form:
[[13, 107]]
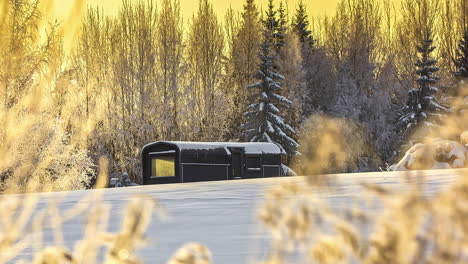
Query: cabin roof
[[248, 147]]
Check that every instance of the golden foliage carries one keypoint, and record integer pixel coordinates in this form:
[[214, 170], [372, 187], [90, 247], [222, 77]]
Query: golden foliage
[[328, 251], [328, 145]]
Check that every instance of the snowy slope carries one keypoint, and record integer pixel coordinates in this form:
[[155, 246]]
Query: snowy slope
[[220, 215]]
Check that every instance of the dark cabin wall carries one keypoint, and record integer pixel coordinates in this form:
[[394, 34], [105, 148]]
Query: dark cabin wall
[[192, 165], [205, 164], [210, 162], [202, 172], [271, 159]]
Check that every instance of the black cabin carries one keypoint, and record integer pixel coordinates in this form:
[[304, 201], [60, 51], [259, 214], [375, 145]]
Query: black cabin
[[175, 162]]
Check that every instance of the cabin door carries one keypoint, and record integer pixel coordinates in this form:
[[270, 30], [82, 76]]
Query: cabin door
[[237, 164]]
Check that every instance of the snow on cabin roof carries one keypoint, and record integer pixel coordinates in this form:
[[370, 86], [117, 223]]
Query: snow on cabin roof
[[249, 147]]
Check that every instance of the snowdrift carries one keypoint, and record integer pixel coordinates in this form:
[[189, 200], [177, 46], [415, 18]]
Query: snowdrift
[[441, 154]]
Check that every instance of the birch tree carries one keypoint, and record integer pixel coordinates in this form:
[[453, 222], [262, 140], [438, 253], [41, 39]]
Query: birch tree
[[205, 56], [169, 49]]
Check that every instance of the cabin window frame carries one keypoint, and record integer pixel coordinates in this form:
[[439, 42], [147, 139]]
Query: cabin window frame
[[255, 156], [169, 153]]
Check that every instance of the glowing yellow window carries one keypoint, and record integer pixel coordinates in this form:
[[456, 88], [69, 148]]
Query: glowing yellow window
[[163, 166]]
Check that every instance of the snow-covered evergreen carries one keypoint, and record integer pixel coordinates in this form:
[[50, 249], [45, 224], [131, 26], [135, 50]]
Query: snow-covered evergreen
[[263, 119], [422, 106], [461, 62]]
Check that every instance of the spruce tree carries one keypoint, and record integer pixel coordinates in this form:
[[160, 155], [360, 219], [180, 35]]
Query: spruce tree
[[422, 106], [263, 120], [282, 26], [461, 62], [301, 25], [276, 22], [271, 24]]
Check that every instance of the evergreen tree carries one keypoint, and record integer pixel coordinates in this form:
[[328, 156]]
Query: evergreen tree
[[462, 61], [264, 123], [276, 23], [301, 25], [282, 26], [422, 106], [271, 23]]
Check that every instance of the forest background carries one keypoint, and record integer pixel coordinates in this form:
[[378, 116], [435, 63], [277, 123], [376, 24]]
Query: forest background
[[99, 83]]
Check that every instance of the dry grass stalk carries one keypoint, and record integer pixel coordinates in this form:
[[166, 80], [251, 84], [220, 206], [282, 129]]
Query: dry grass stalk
[[21, 229], [412, 228]]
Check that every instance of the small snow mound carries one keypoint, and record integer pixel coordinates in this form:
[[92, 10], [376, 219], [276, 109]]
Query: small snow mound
[[441, 154]]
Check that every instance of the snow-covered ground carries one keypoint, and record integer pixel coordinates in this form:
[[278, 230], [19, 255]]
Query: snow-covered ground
[[221, 215]]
